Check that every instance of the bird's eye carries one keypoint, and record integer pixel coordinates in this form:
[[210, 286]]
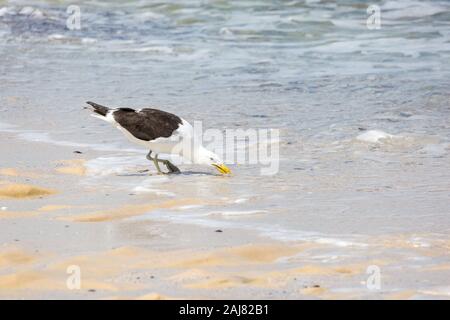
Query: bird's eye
[[211, 159]]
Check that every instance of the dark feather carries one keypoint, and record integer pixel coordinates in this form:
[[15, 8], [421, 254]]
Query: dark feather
[[147, 124]]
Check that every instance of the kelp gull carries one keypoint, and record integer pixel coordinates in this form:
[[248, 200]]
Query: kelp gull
[[159, 132]]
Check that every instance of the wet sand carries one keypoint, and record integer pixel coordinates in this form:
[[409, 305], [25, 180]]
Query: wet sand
[[52, 220]]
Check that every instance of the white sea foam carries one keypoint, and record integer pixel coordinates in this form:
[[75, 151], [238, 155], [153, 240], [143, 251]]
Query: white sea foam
[[226, 32], [7, 11], [374, 136], [26, 10], [237, 212], [149, 16], [338, 242]]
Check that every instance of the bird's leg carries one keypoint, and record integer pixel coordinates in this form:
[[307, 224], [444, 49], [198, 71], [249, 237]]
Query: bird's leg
[[148, 156], [171, 167]]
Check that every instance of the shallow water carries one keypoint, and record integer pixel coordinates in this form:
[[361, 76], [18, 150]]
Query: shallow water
[[312, 70]]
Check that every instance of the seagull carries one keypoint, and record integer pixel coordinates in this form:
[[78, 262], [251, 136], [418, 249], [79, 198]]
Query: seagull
[[159, 132]]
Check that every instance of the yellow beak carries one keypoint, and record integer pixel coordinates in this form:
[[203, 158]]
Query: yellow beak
[[222, 168]]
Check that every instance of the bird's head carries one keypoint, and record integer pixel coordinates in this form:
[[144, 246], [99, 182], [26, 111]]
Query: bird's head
[[207, 157]]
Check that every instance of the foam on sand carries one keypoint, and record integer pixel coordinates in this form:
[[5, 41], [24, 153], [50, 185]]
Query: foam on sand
[[23, 191], [374, 136]]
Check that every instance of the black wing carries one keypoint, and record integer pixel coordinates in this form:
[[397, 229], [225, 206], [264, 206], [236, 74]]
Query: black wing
[[147, 124]]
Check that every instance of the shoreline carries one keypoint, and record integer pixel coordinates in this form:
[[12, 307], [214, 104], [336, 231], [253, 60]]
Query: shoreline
[[124, 253]]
